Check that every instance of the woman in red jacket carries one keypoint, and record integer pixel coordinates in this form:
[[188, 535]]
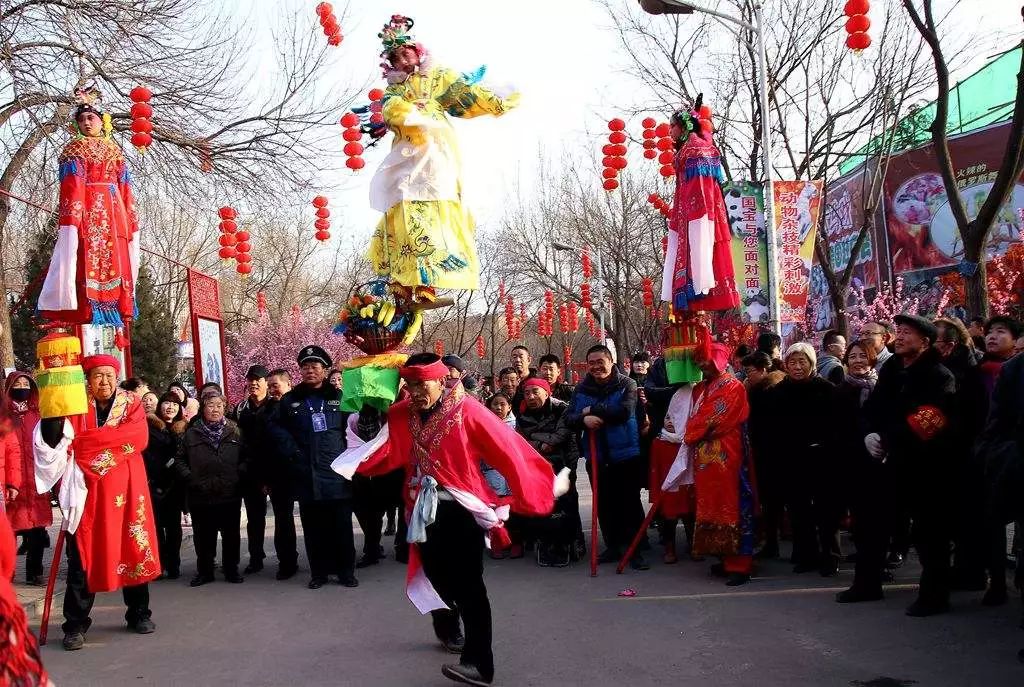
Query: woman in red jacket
[[29, 512]]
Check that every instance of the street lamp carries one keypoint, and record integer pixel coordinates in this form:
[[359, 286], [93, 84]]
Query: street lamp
[[600, 279], [680, 7]]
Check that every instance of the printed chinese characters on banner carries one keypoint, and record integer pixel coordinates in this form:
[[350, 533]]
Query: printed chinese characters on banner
[[797, 204], [744, 202]]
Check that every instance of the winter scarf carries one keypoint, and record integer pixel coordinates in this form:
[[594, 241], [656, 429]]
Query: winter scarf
[[212, 431], [865, 383]]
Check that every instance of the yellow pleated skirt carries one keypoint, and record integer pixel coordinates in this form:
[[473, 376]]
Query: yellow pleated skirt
[[426, 243]]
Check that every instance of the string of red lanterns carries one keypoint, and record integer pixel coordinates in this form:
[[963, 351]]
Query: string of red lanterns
[[142, 113], [481, 349], [647, 291], [574, 317], [322, 222], [614, 154], [857, 24], [510, 317], [566, 357], [660, 204], [439, 348], [353, 148], [650, 145], [227, 227], [666, 150], [586, 264], [329, 23], [585, 299]]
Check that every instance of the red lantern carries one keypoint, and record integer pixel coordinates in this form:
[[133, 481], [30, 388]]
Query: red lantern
[[649, 135], [228, 226], [242, 235], [858, 23], [586, 265], [563, 317], [244, 247], [352, 135], [855, 7], [376, 94], [574, 317], [324, 8], [141, 126], [607, 162], [141, 111], [226, 253], [618, 163], [616, 137], [610, 184], [648, 123], [616, 125], [650, 145], [376, 118], [706, 126], [439, 347], [608, 149], [322, 235], [355, 163], [666, 171], [334, 39], [609, 173], [666, 157], [665, 144], [481, 350], [322, 224], [662, 130], [226, 213], [650, 154], [585, 296], [704, 112], [243, 268], [227, 240], [320, 202], [647, 289], [653, 198], [243, 257], [140, 94], [855, 41], [141, 140], [619, 150], [349, 119]]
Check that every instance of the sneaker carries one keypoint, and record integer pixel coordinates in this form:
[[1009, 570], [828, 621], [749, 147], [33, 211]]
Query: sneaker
[[465, 673], [73, 641], [142, 627]]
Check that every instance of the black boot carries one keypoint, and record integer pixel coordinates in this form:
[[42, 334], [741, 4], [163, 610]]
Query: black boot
[[465, 673]]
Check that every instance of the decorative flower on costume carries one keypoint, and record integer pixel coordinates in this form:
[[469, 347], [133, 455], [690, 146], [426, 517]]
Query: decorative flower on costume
[[95, 263], [426, 238]]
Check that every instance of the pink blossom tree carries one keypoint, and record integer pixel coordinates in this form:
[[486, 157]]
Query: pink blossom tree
[[890, 300]]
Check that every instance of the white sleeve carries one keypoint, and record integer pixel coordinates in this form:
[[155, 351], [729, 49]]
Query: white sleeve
[[55, 464], [59, 288]]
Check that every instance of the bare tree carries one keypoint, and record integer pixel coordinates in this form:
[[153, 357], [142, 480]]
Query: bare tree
[[974, 232], [215, 127]]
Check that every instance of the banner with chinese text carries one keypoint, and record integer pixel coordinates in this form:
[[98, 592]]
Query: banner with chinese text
[[744, 202], [796, 205]]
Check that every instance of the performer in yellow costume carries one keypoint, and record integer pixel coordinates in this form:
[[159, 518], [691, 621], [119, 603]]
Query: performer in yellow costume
[[426, 237]]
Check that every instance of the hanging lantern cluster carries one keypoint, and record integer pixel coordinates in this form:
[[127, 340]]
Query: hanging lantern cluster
[[591, 324], [704, 118], [614, 154], [647, 291], [585, 299], [329, 23], [546, 317], [573, 318], [353, 148], [563, 318], [142, 114], [501, 290], [376, 107], [481, 349], [439, 348], [228, 227], [666, 149], [566, 356], [650, 145], [587, 265], [857, 24], [322, 223], [512, 324], [660, 204]]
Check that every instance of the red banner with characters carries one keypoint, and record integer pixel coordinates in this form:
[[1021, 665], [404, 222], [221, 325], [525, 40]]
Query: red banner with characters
[[921, 230], [797, 205], [208, 351]]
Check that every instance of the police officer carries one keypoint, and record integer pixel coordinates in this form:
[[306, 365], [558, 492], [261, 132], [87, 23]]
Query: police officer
[[309, 429]]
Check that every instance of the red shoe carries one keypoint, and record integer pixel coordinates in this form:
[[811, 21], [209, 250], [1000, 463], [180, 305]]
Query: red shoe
[[515, 551]]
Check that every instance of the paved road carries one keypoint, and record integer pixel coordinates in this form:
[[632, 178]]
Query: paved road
[[552, 627]]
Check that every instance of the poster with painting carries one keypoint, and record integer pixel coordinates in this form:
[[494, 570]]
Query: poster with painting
[[209, 352]]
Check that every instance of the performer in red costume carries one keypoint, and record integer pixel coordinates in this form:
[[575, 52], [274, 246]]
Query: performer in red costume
[[439, 435], [698, 263], [20, 664], [91, 277], [104, 496]]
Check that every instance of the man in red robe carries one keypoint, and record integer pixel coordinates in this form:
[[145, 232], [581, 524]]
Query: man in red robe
[[723, 482], [111, 535], [439, 435]]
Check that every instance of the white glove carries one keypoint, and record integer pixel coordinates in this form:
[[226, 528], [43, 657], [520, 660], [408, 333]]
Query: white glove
[[873, 443], [562, 482]]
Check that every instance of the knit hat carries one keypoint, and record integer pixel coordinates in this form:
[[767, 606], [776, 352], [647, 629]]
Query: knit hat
[[537, 381], [805, 348]]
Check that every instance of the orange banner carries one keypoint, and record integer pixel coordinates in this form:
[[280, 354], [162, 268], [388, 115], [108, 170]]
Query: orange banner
[[797, 205]]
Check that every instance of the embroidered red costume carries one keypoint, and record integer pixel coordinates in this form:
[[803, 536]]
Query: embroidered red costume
[[716, 435], [104, 493], [92, 273], [447, 448]]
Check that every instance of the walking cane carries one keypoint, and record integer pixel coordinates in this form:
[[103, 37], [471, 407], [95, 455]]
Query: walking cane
[[593, 503], [639, 535], [44, 623]]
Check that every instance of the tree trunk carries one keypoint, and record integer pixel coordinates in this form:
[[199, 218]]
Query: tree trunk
[[976, 285]]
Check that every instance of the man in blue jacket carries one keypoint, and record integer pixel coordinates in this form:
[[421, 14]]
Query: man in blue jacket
[[309, 429], [604, 406]]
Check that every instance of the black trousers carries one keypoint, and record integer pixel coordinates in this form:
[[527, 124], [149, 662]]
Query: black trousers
[[452, 560], [78, 600], [256, 521], [870, 506], [207, 522], [35, 542], [167, 512], [327, 530], [372, 498], [815, 516], [619, 510], [282, 501], [970, 544]]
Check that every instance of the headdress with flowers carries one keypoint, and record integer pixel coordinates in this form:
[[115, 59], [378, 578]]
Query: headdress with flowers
[[89, 99], [395, 34]]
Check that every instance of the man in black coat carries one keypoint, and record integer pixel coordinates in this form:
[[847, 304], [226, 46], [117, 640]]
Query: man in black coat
[[267, 475], [912, 420], [309, 429]]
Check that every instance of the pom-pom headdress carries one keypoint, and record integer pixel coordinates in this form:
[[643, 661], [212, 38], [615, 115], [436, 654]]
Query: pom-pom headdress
[[394, 35], [89, 99]]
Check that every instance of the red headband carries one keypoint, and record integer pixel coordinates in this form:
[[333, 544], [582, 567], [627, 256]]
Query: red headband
[[420, 373], [537, 381], [720, 356], [91, 362]]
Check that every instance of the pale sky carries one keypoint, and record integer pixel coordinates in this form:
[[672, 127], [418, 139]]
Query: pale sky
[[558, 53]]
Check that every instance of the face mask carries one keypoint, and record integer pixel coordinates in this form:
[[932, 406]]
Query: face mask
[[21, 395]]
